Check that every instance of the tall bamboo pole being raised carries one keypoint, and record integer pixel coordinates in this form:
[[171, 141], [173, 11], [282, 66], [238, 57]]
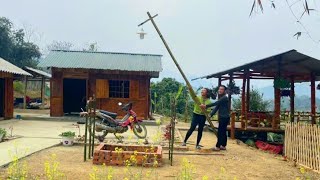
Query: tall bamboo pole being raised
[[192, 93]]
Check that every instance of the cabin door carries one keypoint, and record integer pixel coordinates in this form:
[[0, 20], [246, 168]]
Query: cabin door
[[2, 94], [74, 95]]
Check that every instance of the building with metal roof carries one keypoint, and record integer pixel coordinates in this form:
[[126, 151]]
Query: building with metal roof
[[8, 72], [7, 67], [103, 61], [110, 77]]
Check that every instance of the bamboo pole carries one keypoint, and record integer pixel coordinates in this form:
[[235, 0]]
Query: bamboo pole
[[192, 93]]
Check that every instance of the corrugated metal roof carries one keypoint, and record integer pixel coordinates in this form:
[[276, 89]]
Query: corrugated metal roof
[[291, 62], [37, 71], [7, 67], [103, 61]]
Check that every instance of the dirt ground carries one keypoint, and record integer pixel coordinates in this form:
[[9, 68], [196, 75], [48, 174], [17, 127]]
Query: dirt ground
[[239, 161]]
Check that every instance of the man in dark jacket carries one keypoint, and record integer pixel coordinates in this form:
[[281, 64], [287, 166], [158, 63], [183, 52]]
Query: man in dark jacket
[[222, 106]]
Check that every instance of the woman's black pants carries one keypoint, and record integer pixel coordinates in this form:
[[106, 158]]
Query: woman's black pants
[[197, 120]]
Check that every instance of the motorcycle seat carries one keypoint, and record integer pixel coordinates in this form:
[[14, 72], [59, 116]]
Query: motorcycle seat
[[113, 115]]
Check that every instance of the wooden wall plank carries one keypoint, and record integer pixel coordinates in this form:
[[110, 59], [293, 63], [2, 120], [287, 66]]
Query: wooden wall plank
[[134, 89], [8, 105], [102, 88], [56, 91]]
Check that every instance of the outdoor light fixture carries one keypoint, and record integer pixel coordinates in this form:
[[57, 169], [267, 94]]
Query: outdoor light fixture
[[141, 34]]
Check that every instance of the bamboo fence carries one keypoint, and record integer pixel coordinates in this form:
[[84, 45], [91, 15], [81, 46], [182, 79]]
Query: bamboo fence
[[302, 144]]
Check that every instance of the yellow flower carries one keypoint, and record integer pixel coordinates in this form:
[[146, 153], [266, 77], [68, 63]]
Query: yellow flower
[[135, 152], [302, 170], [222, 170], [130, 137], [158, 121], [205, 178], [148, 174]]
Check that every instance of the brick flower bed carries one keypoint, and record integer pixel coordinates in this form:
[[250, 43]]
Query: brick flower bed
[[113, 154]]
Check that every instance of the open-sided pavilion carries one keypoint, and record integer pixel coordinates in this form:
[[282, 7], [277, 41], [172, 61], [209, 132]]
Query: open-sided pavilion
[[292, 66]]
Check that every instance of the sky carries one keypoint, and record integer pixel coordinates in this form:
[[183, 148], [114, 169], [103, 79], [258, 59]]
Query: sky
[[205, 36]]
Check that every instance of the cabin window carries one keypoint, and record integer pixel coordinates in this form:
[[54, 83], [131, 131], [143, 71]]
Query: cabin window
[[119, 89]]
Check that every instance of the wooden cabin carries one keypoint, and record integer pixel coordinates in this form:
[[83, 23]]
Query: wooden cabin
[[110, 77], [8, 72]]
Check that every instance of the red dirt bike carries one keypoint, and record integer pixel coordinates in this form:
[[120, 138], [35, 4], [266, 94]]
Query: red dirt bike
[[107, 122]]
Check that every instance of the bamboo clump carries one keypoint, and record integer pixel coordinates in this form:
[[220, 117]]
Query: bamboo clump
[[302, 144]]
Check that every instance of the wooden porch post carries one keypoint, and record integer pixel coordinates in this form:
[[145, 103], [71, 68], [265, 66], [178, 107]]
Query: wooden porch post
[[219, 81], [313, 99], [277, 106], [43, 85], [292, 100], [230, 93], [243, 102], [233, 122], [248, 93], [25, 92], [277, 98]]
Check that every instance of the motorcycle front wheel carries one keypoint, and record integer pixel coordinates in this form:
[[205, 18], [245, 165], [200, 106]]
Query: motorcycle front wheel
[[140, 130]]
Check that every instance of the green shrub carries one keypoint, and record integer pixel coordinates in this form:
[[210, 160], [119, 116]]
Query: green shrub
[[68, 134], [3, 131], [18, 86]]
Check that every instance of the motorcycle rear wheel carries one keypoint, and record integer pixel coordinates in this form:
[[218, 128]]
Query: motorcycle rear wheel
[[140, 130]]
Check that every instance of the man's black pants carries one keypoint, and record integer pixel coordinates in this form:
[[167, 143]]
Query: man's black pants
[[222, 132]]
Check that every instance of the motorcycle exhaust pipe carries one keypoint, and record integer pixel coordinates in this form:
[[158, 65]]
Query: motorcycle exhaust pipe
[[104, 127]]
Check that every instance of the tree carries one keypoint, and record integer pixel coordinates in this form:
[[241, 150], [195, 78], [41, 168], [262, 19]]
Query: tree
[[162, 91], [257, 103], [14, 48], [93, 47], [60, 45]]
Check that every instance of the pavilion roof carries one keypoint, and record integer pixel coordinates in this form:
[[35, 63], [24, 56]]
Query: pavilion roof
[[287, 64]]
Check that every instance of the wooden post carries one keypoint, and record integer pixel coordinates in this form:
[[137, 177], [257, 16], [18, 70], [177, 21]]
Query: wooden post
[[219, 81], [243, 103], [292, 99], [25, 92], [43, 88], [277, 99], [230, 92], [248, 94], [233, 122], [313, 99]]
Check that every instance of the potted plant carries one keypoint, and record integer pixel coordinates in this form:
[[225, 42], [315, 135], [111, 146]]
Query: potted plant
[[3, 133], [68, 138]]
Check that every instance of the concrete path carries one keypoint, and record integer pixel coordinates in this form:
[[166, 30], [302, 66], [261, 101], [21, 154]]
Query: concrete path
[[38, 135]]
